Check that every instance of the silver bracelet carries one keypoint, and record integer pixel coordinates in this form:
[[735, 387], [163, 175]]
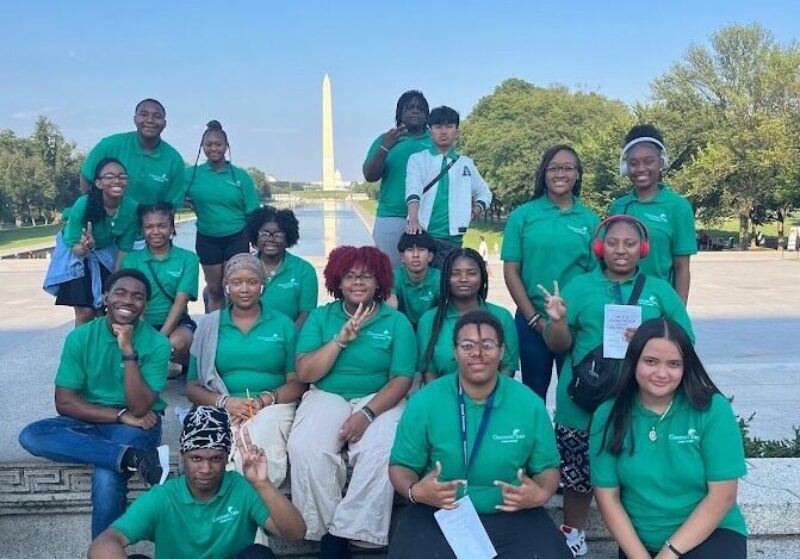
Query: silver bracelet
[[338, 342]]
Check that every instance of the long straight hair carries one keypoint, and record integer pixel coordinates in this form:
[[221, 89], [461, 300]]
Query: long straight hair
[[695, 383]]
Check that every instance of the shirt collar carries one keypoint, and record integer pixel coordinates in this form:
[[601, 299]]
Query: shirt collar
[[156, 153], [452, 154], [225, 318], [185, 495]]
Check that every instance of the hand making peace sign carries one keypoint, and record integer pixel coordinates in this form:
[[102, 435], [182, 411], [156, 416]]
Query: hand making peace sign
[[553, 303]]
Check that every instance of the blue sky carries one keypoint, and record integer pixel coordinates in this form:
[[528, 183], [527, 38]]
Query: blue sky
[[258, 66]]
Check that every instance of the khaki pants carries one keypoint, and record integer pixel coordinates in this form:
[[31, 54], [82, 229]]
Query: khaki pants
[[269, 430], [319, 471]]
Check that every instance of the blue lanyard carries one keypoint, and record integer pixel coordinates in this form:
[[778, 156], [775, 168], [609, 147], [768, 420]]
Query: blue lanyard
[[487, 412]]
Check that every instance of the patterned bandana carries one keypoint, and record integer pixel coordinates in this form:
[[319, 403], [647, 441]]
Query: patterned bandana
[[206, 427]]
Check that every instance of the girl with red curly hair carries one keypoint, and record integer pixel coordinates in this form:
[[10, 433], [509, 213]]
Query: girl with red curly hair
[[358, 354]]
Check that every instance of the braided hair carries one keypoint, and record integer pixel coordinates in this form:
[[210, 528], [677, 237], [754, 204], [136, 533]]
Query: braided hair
[[446, 295], [212, 126]]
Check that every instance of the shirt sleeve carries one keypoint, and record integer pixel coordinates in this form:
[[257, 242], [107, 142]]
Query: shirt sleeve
[[258, 511], [140, 520], [414, 178], [177, 183], [310, 337], [74, 225], [71, 372], [411, 446], [674, 308], [153, 365], [290, 335], [98, 152], [190, 278], [512, 237], [404, 348], [685, 241], [721, 443], [545, 452], [373, 149], [424, 331], [511, 355], [251, 199], [480, 190], [309, 289], [603, 464]]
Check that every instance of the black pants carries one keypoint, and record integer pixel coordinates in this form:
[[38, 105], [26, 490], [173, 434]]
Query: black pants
[[443, 250], [721, 544], [527, 534], [252, 551]]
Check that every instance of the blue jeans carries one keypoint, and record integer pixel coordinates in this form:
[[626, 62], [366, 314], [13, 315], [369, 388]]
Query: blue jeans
[[535, 357], [64, 439]]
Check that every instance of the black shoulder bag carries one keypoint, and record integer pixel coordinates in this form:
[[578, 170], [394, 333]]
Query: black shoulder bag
[[595, 377], [442, 173]]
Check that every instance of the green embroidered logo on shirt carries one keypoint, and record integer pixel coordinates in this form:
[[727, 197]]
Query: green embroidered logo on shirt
[[649, 302], [579, 230], [384, 336], [658, 218], [272, 338], [289, 284], [159, 178], [227, 517], [690, 437], [513, 438]]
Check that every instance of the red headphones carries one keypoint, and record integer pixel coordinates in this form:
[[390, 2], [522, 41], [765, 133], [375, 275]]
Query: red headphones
[[598, 245]]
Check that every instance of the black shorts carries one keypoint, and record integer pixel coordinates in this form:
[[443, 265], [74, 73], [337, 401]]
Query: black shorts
[[216, 250], [185, 322], [78, 292], [573, 446]]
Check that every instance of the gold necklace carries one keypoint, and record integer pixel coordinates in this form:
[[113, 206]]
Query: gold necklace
[[653, 435]]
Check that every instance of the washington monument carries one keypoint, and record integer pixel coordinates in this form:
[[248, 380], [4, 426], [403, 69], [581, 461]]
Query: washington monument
[[328, 166]]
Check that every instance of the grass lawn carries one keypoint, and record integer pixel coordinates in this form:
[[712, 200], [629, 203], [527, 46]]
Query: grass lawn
[[20, 237]]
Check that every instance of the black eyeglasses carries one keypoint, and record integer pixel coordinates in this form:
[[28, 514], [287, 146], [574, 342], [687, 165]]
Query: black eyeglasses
[[110, 177], [468, 346], [561, 169], [277, 235]]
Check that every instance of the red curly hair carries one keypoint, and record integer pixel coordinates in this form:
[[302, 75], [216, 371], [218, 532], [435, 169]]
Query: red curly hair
[[345, 258]]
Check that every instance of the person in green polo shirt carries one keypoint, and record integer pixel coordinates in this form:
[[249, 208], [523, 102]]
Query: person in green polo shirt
[[242, 359], [386, 161], [546, 240], [668, 216], [415, 286], [222, 196], [667, 453], [172, 272], [444, 189], [358, 354], [107, 396], [100, 229], [291, 282], [155, 167], [206, 513], [576, 327], [508, 463], [464, 286]]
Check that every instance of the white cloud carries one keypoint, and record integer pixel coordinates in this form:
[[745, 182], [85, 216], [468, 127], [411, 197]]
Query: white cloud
[[33, 113]]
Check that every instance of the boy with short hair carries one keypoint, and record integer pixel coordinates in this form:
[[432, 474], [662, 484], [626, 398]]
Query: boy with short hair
[[416, 283], [444, 190]]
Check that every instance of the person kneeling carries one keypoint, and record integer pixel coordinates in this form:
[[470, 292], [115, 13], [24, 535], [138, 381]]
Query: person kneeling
[[207, 512], [507, 463]]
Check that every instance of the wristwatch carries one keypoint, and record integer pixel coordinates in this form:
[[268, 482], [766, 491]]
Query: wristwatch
[[130, 356]]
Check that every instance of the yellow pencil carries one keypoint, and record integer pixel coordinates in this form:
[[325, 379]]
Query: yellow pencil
[[249, 404]]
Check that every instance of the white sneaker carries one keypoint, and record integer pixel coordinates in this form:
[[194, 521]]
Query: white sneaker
[[576, 540]]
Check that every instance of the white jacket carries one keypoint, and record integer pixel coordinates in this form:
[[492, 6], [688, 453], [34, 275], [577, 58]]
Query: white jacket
[[466, 187]]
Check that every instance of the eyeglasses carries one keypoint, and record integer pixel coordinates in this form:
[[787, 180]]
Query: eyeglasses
[[561, 169], [363, 277], [468, 346], [277, 235], [111, 177]]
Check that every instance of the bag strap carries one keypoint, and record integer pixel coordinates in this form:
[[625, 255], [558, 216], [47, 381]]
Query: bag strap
[[440, 175], [158, 282], [637, 289]]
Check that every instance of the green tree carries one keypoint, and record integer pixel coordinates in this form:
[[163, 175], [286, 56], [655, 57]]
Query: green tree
[[508, 131], [262, 184], [732, 112]]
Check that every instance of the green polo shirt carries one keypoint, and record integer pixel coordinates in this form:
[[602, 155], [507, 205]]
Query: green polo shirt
[[222, 199], [153, 177], [414, 299], [439, 224], [384, 348], [443, 360], [670, 221], [293, 289], [585, 298], [121, 228], [664, 480], [91, 363], [392, 193], [257, 360], [519, 435], [177, 271], [550, 244], [184, 528]]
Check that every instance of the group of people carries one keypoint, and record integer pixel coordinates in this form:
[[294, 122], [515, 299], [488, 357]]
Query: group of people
[[405, 376]]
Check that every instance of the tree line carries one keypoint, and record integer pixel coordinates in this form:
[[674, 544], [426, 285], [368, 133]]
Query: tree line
[[729, 112]]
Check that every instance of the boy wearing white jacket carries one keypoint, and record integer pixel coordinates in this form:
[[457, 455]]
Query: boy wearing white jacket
[[444, 190]]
